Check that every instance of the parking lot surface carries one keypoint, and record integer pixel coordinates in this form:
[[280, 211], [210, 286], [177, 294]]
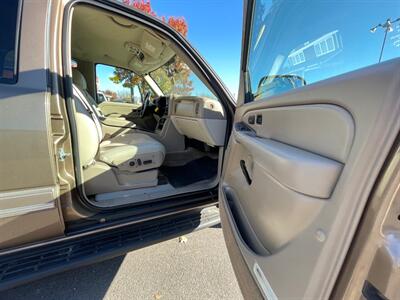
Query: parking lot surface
[[195, 267]]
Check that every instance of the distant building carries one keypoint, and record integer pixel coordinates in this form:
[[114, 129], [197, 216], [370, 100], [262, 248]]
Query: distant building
[[314, 53]]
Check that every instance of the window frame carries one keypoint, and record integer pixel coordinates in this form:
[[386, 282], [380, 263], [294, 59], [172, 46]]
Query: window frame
[[14, 80], [245, 80]]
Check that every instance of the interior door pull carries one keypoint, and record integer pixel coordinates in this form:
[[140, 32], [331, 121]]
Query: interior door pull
[[245, 172]]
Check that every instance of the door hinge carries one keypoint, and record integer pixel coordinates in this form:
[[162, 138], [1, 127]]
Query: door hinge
[[62, 154]]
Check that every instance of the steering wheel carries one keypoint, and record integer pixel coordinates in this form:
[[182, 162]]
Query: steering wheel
[[146, 103]]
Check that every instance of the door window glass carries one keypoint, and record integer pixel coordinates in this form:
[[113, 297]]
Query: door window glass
[[9, 21], [294, 43]]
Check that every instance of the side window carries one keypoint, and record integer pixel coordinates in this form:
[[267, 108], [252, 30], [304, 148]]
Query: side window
[[120, 85], [9, 31], [289, 49]]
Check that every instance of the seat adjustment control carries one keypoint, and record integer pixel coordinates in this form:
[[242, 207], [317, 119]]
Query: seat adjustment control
[[259, 119]]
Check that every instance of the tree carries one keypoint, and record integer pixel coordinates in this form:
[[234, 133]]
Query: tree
[[179, 23], [172, 77], [128, 79], [141, 5]]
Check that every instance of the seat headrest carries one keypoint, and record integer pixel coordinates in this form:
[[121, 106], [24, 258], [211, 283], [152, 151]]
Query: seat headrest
[[78, 79]]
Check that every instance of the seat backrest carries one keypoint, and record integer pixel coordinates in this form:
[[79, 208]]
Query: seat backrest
[[90, 110], [80, 82], [88, 136], [89, 131]]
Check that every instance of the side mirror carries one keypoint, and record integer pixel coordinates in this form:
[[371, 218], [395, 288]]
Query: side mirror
[[274, 84]]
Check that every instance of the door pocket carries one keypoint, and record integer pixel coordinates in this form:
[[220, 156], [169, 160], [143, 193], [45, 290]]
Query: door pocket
[[244, 228]]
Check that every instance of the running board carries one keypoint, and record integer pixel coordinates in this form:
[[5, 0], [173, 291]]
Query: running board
[[32, 264]]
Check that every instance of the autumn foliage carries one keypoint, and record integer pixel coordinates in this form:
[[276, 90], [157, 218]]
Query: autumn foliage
[[178, 23], [141, 5]]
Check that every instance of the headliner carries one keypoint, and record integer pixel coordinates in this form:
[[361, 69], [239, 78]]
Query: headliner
[[102, 37]]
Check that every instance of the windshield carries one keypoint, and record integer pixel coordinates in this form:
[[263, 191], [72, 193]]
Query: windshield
[[294, 43], [175, 77], [120, 85]]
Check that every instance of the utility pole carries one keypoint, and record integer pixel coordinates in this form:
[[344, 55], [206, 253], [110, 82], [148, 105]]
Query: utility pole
[[387, 26]]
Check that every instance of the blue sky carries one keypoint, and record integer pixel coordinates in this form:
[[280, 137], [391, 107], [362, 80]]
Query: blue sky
[[214, 29]]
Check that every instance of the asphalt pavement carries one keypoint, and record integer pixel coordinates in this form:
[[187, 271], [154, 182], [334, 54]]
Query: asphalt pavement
[[196, 266]]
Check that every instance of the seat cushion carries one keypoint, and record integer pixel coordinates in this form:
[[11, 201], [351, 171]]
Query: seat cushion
[[132, 152]]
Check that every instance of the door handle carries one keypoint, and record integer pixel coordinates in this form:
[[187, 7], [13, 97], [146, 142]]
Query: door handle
[[245, 172]]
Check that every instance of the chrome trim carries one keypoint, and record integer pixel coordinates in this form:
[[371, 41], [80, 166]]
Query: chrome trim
[[18, 211], [20, 202]]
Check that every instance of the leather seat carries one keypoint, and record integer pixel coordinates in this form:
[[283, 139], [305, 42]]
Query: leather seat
[[111, 164]]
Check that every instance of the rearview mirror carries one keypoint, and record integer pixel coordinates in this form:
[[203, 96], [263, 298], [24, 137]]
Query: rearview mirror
[[274, 84]]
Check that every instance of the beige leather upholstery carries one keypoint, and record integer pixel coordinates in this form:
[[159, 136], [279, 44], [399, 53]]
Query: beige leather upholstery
[[78, 79], [129, 152], [89, 132], [80, 82], [123, 162]]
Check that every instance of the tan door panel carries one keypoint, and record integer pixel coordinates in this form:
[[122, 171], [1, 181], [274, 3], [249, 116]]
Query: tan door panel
[[298, 171], [320, 128]]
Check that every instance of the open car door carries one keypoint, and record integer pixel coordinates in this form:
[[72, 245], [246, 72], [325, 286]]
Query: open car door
[[317, 116]]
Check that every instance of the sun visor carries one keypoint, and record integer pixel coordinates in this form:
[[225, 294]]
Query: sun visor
[[151, 45]]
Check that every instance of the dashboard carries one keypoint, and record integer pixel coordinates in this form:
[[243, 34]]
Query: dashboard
[[199, 118]]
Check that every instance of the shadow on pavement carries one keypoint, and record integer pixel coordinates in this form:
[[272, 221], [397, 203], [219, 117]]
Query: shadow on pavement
[[91, 282]]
